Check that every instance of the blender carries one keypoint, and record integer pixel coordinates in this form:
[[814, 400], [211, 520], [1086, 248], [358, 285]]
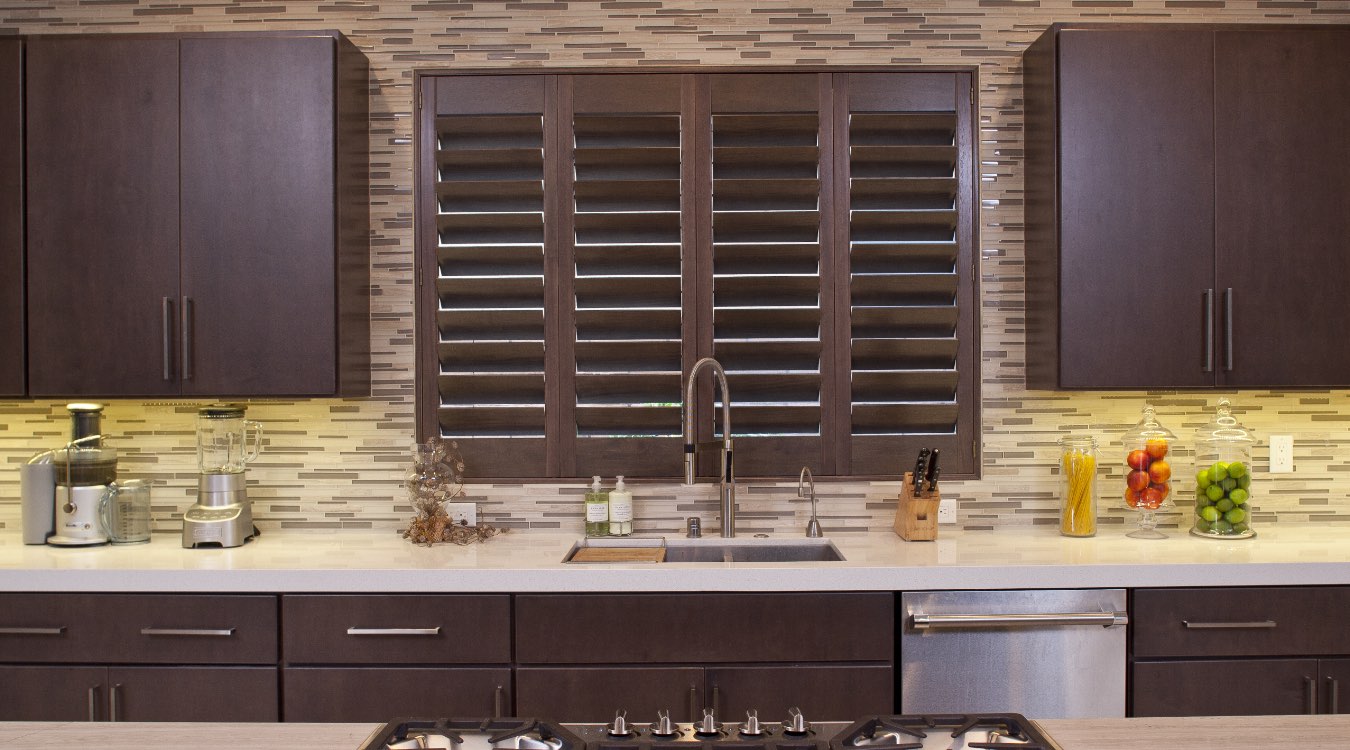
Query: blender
[[226, 443]]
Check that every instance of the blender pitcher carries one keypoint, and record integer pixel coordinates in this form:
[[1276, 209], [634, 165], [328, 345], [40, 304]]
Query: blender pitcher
[[226, 442]]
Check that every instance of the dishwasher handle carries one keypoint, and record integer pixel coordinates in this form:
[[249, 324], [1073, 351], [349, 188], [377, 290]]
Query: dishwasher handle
[[922, 621]]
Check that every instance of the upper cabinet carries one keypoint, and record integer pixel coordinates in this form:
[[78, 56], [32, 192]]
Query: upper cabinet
[[11, 218], [1185, 194], [196, 221]]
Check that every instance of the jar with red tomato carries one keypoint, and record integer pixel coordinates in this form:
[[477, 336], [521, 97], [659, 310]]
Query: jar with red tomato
[[1148, 472]]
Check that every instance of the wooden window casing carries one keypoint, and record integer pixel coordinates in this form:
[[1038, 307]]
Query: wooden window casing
[[584, 237]]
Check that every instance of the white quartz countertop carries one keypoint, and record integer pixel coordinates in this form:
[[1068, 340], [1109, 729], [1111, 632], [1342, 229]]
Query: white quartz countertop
[[530, 561]]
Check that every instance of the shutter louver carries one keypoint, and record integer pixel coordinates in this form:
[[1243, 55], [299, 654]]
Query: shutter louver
[[490, 284], [903, 279]]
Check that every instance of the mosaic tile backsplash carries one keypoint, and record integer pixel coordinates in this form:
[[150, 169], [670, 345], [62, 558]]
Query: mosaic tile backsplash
[[338, 464]]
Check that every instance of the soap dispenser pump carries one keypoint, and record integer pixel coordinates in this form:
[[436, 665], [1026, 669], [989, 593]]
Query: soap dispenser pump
[[620, 510], [597, 510]]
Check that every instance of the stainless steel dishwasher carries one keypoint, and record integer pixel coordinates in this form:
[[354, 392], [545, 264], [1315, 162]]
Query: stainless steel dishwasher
[[1046, 654]]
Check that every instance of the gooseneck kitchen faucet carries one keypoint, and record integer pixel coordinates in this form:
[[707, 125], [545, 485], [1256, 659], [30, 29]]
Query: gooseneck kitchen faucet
[[691, 448]]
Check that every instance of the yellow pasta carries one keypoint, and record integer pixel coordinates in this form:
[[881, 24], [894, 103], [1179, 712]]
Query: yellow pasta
[[1077, 515]]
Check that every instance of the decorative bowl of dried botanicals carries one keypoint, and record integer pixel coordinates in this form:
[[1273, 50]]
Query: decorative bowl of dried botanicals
[[436, 478]]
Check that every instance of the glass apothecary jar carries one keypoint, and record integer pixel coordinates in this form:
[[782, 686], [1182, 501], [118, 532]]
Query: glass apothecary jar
[[1223, 477], [1078, 486], [1148, 472]]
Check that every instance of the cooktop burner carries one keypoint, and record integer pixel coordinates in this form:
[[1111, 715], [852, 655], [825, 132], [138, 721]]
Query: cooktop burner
[[473, 734], [943, 732]]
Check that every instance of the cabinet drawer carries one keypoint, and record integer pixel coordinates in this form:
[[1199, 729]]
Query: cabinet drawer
[[704, 628], [1232, 687], [593, 694], [413, 629], [1293, 621], [345, 694], [193, 694], [138, 628]]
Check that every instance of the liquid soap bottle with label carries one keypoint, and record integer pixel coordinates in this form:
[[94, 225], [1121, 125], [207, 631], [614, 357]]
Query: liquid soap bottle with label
[[620, 510], [597, 510]]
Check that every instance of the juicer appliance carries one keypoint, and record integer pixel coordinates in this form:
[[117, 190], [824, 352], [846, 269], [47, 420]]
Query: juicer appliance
[[226, 443], [64, 491]]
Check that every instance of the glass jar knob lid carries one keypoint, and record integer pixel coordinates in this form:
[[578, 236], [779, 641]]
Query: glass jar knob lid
[[1224, 427]]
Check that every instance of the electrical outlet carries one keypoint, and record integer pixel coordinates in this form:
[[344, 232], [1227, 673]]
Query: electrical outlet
[[1281, 454], [947, 511], [463, 513]]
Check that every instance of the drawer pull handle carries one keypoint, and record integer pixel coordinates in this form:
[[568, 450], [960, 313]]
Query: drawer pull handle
[[33, 631], [498, 702], [1333, 695], [112, 701], [1104, 619], [1252, 625], [394, 631], [93, 702], [1310, 691], [223, 632]]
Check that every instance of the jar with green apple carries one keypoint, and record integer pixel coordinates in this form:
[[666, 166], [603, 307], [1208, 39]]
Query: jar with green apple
[[1223, 477]]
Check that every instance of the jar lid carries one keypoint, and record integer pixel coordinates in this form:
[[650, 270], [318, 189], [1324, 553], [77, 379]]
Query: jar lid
[[1224, 427], [1149, 428], [221, 411]]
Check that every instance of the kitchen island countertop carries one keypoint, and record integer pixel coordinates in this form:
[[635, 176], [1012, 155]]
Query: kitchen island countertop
[[530, 561], [1192, 733]]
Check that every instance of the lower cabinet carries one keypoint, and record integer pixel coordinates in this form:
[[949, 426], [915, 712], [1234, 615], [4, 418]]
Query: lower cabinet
[[345, 694], [60, 693], [580, 694], [1239, 687]]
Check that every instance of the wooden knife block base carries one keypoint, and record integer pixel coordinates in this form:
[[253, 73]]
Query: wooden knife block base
[[916, 519]]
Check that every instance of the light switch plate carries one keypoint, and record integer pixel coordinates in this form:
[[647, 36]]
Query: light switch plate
[[463, 513], [947, 511], [1281, 454]]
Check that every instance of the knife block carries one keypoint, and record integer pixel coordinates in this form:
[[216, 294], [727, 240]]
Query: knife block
[[916, 518]]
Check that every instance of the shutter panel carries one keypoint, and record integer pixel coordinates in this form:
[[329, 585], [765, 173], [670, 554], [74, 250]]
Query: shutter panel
[[490, 281], [767, 247], [627, 246], [905, 251]]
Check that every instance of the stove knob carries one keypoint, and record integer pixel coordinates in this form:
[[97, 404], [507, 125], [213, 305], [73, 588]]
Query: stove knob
[[620, 726], [751, 727], [796, 723], [663, 727], [707, 726]]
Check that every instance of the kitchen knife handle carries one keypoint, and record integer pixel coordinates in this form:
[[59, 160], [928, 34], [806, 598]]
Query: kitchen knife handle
[[93, 702], [498, 702], [1310, 687], [1208, 357], [166, 322], [34, 631], [187, 338], [693, 703], [1228, 329], [1333, 695], [112, 701]]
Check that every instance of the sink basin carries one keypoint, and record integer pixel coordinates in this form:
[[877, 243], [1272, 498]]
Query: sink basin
[[719, 550]]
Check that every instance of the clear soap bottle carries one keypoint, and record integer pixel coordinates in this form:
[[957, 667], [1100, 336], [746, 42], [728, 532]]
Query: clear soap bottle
[[620, 510], [597, 510]]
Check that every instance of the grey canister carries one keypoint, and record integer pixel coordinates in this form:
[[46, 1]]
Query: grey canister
[[37, 487]]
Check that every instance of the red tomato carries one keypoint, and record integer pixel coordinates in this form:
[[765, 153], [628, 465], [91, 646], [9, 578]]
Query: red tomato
[[1159, 472], [1138, 460], [1156, 447], [1137, 480]]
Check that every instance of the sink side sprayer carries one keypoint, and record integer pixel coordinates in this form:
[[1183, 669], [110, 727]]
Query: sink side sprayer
[[691, 448]]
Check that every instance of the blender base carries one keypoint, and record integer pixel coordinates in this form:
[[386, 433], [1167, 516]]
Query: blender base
[[218, 525]]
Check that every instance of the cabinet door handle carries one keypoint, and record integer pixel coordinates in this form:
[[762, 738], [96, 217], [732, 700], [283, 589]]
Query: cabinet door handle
[[693, 703], [394, 631], [1239, 625], [498, 702], [187, 338], [112, 701], [1209, 330], [166, 321], [34, 631], [1333, 695], [1228, 329], [716, 699], [93, 702], [222, 632], [1310, 687]]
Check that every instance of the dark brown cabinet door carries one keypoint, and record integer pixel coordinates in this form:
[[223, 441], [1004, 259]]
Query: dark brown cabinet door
[[102, 215], [11, 218], [53, 693], [1245, 687], [1136, 117], [1335, 676], [192, 693], [822, 692], [258, 213], [1282, 216], [582, 694], [371, 694]]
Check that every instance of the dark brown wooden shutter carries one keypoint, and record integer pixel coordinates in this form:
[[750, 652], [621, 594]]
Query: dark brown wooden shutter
[[909, 251], [627, 247], [490, 143], [768, 298]]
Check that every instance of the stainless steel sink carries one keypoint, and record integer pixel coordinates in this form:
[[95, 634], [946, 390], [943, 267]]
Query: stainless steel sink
[[717, 550]]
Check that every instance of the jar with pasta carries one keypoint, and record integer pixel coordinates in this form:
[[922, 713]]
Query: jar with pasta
[[1078, 486]]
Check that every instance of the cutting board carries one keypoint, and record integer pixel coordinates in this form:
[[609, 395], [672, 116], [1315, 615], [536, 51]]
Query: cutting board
[[620, 554]]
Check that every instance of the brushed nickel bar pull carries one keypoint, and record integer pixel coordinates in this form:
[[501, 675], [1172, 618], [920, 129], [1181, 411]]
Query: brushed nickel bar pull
[[222, 632], [1209, 330], [932, 622], [394, 631], [716, 699], [112, 701], [1310, 687], [34, 631], [187, 338], [166, 320], [693, 703], [1333, 695], [498, 704], [1239, 625], [1228, 329], [93, 702]]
